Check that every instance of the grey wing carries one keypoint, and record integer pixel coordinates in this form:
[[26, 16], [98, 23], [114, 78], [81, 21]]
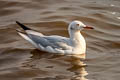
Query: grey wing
[[45, 41], [61, 42], [54, 39]]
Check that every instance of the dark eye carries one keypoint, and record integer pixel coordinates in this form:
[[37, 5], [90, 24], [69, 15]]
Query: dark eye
[[71, 28], [78, 24]]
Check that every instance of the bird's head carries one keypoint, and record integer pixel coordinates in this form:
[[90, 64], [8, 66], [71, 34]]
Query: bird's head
[[78, 26]]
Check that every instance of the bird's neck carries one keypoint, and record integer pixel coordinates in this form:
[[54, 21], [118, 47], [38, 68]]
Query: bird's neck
[[77, 40]]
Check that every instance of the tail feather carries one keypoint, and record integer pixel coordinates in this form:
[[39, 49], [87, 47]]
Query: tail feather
[[26, 37], [22, 26]]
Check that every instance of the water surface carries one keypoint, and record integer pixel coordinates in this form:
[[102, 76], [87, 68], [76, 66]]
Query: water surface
[[19, 60]]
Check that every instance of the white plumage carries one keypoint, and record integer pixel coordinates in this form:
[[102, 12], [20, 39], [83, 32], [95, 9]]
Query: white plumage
[[57, 44]]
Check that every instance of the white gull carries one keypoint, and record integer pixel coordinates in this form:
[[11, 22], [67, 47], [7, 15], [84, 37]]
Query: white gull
[[57, 44]]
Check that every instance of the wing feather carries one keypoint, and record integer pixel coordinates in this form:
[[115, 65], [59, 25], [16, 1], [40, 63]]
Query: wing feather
[[53, 41]]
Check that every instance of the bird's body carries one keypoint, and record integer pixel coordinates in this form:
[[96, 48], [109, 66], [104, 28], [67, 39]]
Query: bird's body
[[57, 44]]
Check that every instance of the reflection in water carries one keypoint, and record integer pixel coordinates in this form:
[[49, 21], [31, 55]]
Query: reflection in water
[[57, 66], [78, 67]]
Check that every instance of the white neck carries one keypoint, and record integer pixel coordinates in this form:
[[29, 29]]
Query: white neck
[[77, 40]]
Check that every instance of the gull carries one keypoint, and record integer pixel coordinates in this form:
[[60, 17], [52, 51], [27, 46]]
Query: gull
[[75, 44]]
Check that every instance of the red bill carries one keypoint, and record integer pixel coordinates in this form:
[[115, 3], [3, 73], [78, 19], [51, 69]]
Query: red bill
[[88, 27]]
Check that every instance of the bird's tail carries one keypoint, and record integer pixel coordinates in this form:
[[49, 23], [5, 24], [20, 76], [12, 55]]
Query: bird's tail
[[22, 26], [26, 37], [28, 30]]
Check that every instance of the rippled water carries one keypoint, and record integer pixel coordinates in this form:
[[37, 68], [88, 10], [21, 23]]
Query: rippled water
[[19, 60]]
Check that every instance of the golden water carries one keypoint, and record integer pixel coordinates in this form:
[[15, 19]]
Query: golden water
[[19, 60]]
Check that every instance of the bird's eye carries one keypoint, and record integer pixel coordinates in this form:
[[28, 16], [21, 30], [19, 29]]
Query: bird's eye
[[78, 24], [71, 28]]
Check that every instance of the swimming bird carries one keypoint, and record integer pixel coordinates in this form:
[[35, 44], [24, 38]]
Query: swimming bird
[[75, 44]]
